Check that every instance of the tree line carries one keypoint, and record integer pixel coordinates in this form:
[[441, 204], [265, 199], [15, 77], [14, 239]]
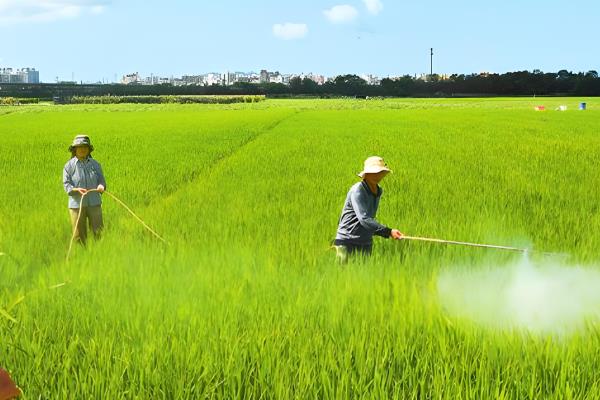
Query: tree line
[[522, 83]]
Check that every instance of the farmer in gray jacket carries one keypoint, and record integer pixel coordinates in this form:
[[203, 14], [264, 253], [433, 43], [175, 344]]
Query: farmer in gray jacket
[[83, 175], [357, 223]]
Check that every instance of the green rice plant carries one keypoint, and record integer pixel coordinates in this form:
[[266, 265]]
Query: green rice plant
[[247, 301]]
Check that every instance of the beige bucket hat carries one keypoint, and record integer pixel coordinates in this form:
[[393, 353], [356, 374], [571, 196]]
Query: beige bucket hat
[[374, 165]]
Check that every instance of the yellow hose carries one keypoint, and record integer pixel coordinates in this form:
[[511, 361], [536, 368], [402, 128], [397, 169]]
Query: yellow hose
[[118, 201]]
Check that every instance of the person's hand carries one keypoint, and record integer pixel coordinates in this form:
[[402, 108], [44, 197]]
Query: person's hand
[[100, 188], [396, 234], [81, 191]]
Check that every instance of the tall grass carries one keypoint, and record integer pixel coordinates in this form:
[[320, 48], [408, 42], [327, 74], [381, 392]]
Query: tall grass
[[247, 301]]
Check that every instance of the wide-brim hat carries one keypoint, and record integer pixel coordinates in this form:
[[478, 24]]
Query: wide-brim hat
[[81, 140], [374, 165]]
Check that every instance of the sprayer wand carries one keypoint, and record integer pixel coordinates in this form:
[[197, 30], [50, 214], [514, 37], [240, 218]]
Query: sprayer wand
[[487, 246]]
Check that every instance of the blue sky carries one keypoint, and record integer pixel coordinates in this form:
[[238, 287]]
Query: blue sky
[[98, 39]]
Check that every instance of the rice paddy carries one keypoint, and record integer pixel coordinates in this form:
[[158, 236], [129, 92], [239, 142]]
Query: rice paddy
[[246, 300]]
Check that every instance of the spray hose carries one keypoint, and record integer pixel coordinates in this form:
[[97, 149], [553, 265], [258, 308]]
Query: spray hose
[[76, 227]]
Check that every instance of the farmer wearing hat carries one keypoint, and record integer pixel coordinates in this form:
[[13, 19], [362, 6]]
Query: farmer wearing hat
[[83, 175], [357, 223]]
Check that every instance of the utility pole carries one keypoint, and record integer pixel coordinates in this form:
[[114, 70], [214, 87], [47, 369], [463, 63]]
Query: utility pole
[[431, 61]]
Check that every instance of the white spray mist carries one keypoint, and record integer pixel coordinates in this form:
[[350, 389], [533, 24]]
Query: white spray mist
[[543, 297]]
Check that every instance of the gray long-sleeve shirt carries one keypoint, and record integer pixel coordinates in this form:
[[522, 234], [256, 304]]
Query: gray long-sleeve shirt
[[357, 223], [86, 174]]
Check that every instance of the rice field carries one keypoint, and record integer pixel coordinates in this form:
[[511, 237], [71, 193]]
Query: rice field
[[247, 301]]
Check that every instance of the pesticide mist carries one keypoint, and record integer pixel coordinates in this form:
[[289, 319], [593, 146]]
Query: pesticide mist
[[541, 297]]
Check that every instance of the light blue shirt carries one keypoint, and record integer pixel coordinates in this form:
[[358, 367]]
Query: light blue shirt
[[86, 174]]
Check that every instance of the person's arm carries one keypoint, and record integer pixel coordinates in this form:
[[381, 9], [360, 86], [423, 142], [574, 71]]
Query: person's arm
[[68, 183], [359, 204], [101, 179], [67, 180]]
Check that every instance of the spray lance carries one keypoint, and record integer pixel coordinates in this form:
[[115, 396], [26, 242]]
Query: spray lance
[[487, 246]]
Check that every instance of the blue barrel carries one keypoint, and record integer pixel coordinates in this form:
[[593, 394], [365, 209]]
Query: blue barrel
[[582, 106]]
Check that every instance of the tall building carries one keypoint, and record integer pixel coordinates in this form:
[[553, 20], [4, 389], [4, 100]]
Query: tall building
[[24, 75], [212, 79], [33, 76], [228, 79], [275, 77], [130, 79], [264, 76]]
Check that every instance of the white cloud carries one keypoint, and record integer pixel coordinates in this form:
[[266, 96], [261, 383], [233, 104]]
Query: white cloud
[[340, 14], [289, 31], [373, 6], [98, 9], [21, 11]]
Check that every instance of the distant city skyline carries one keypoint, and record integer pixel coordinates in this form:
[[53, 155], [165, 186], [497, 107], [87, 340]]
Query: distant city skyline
[[102, 40], [19, 75]]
